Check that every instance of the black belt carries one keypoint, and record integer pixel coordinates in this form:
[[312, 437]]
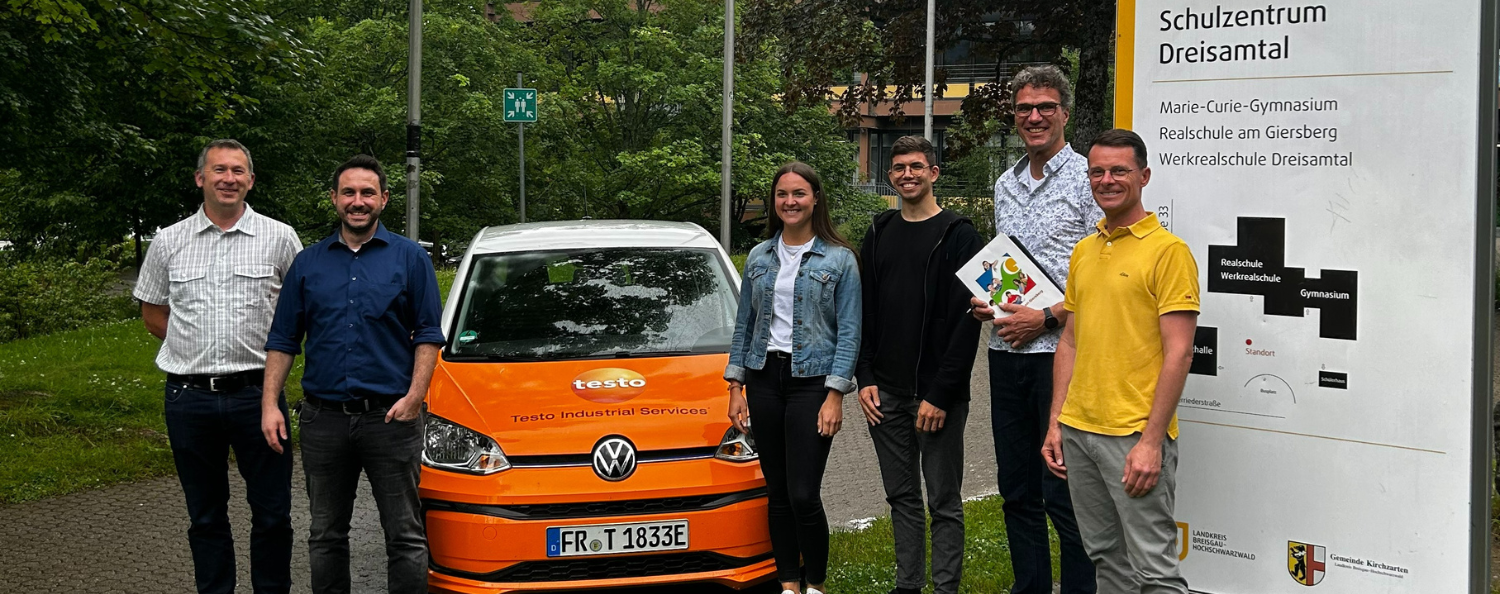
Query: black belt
[[353, 407], [231, 382]]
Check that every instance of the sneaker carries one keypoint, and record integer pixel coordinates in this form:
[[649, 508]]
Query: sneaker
[[812, 590], [788, 592], [899, 590]]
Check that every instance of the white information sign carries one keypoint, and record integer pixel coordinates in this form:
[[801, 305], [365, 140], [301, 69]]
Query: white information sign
[[1323, 161]]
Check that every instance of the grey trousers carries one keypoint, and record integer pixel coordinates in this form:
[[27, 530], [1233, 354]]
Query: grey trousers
[[1132, 540], [908, 458]]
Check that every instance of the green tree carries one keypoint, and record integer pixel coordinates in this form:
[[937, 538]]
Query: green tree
[[629, 124], [629, 100], [354, 101], [630, 116], [102, 103], [823, 42]]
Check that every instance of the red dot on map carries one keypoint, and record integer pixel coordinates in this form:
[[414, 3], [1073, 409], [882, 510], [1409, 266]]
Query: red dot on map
[[1247, 341]]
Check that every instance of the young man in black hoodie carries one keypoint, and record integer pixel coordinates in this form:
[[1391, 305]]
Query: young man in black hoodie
[[918, 349]]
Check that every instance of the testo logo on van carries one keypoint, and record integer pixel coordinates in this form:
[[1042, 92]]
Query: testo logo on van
[[610, 385]]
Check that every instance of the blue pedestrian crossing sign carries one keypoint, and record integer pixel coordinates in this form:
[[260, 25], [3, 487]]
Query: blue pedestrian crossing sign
[[520, 105]]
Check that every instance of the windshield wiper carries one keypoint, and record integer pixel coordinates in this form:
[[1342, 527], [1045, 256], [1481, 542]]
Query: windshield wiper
[[500, 358], [649, 354], [496, 358]]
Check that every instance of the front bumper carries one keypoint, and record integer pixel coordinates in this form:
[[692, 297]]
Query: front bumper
[[500, 548]]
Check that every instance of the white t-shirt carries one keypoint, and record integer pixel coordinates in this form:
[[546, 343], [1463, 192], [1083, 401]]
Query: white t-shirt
[[786, 279], [1031, 183]]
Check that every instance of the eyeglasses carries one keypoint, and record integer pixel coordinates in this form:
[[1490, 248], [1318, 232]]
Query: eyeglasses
[[1116, 172], [916, 169], [1046, 109]]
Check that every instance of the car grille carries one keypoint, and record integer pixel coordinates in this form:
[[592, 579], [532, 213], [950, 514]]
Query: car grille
[[586, 459], [595, 509], [609, 568]]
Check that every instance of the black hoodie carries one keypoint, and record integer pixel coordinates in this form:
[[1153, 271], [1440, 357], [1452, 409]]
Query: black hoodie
[[950, 335]]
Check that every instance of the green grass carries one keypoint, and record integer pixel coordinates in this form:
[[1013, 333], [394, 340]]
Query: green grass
[[83, 409], [864, 560], [445, 281], [739, 261], [78, 410], [1494, 532]]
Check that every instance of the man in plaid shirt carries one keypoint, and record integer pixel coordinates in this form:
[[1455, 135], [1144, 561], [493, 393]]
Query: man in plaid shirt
[[208, 289]]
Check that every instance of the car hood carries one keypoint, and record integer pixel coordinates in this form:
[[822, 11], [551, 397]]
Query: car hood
[[565, 407]]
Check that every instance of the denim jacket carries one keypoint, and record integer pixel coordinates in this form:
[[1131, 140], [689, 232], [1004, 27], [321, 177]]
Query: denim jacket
[[825, 314]]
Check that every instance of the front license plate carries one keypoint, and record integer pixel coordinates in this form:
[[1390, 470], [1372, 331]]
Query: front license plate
[[613, 539]]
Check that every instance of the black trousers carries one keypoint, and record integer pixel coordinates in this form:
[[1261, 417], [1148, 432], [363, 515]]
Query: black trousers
[[1020, 404], [336, 446], [784, 421], [909, 461]]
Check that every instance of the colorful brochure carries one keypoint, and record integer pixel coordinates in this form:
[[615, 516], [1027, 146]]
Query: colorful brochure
[[1003, 272]]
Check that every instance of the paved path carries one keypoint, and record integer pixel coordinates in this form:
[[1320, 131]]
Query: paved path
[[852, 491], [132, 539]]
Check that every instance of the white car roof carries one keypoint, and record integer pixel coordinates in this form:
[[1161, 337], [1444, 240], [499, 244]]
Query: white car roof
[[589, 234]]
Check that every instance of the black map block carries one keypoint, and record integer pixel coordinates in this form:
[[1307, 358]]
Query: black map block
[[1257, 266], [1205, 351]]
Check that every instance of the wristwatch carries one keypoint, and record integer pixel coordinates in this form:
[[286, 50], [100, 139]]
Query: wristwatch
[[1048, 321]]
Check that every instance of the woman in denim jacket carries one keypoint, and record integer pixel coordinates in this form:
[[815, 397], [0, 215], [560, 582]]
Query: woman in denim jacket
[[796, 337]]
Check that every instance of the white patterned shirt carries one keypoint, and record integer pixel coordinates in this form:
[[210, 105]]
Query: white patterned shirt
[[1047, 218], [221, 287]]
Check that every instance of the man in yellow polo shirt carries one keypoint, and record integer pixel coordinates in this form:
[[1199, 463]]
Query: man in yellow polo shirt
[[1119, 371]]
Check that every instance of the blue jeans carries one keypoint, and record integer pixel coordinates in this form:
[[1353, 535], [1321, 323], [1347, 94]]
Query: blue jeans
[[1020, 402], [335, 447], [202, 426]]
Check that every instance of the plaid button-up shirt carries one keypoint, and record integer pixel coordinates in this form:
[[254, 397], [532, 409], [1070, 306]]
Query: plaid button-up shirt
[[221, 287]]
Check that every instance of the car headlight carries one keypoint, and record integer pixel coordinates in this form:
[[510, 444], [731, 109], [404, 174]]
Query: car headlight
[[450, 446], [736, 447]]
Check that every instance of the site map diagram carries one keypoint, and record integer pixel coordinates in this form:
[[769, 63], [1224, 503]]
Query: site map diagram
[[1257, 266]]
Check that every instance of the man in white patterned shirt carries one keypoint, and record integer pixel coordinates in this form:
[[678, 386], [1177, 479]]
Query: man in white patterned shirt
[[1045, 204], [208, 289]]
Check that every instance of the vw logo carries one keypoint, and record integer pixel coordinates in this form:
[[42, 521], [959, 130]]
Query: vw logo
[[614, 458]]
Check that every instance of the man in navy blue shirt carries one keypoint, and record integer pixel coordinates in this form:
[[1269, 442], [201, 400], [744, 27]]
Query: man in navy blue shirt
[[367, 303]]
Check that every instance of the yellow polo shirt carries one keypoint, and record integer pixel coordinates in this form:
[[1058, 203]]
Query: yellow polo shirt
[[1119, 285]]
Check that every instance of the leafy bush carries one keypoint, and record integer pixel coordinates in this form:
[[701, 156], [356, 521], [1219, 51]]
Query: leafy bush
[[853, 212], [45, 296]]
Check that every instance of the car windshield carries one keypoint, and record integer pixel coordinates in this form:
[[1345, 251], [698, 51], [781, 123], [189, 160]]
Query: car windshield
[[590, 303]]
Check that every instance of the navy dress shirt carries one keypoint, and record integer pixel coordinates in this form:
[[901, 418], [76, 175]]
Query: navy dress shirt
[[362, 313]]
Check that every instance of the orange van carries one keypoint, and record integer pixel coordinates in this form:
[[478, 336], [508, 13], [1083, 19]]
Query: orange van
[[577, 430]]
